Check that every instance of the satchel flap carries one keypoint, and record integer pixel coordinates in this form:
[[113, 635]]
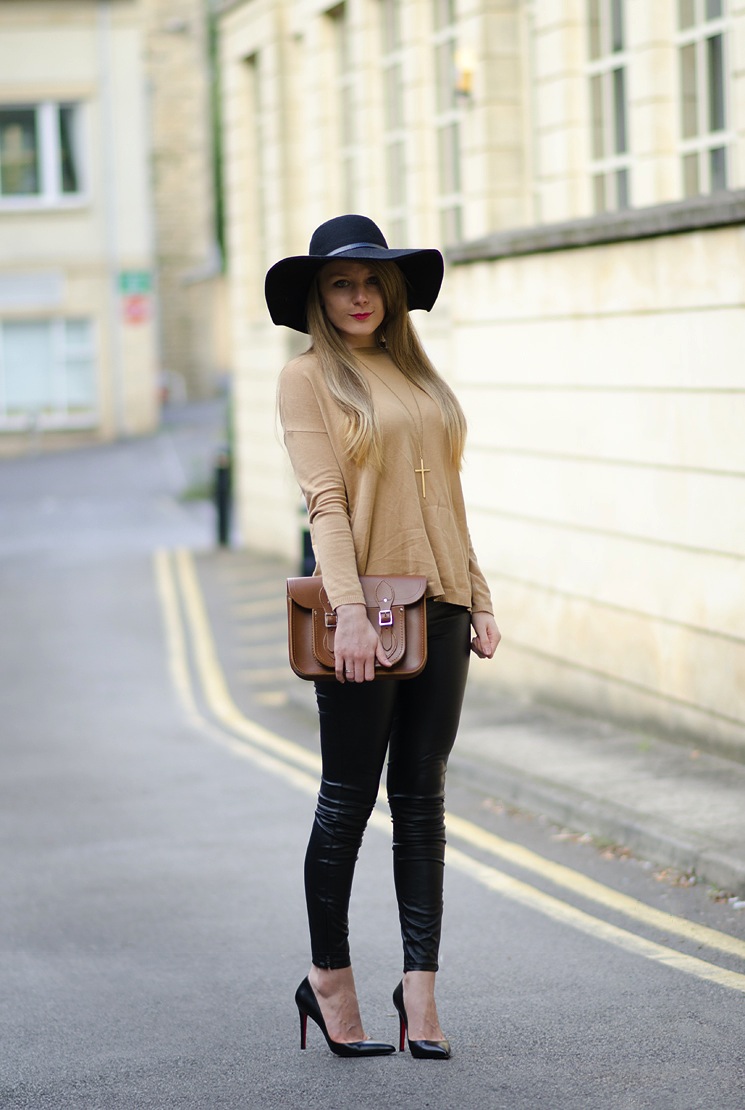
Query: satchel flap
[[397, 589], [308, 593]]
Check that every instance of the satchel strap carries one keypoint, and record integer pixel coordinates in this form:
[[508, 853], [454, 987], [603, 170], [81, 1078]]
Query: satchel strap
[[329, 614], [384, 595]]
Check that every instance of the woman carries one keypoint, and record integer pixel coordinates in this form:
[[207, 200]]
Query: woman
[[376, 437]]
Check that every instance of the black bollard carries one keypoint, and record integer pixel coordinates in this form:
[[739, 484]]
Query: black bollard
[[307, 555], [222, 495]]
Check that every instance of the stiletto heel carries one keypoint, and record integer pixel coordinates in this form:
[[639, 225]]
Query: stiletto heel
[[307, 1004], [401, 1032], [421, 1050]]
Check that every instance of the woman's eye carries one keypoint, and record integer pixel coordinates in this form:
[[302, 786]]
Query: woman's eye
[[373, 281], [341, 284]]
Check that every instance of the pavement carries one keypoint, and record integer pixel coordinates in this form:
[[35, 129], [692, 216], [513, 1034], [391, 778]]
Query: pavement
[[670, 804]]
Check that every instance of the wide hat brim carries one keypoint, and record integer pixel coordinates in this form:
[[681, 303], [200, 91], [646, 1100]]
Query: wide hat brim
[[289, 281]]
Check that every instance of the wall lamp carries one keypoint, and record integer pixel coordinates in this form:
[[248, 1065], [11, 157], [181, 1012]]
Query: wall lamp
[[465, 68]]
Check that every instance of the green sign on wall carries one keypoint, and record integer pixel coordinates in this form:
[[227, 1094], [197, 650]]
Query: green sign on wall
[[133, 282]]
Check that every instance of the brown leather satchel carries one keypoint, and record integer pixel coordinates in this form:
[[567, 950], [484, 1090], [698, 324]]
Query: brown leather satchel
[[395, 606]]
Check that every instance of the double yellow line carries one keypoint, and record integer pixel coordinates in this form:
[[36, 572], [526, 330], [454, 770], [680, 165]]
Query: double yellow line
[[192, 654]]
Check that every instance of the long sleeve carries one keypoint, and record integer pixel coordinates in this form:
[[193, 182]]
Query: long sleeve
[[378, 520], [320, 478], [481, 601]]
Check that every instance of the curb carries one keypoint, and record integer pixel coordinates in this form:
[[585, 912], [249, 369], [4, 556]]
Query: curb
[[644, 836]]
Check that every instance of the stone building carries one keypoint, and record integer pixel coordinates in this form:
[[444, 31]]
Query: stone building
[[109, 275], [190, 286], [582, 165], [78, 340]]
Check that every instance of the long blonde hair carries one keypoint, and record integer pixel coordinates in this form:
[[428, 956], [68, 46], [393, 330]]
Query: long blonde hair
[[348, 386]]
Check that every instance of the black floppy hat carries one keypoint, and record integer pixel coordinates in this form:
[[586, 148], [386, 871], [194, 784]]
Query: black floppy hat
[[289, 281]]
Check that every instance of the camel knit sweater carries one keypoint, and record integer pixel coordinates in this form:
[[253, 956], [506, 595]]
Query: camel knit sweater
[[365, 521]]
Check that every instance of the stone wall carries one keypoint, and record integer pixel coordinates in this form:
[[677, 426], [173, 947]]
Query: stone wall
[[599, 357], [66, 257], [606, 465], [180, 140]]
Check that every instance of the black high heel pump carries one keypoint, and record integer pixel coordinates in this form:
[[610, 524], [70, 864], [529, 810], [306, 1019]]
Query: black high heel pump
[[307, 1005], [421, 1050]]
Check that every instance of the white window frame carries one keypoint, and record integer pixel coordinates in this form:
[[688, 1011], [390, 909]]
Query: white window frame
[[612, 163], [56, 414], [49, 158], [392, 63], [705, 141], [449, 204]]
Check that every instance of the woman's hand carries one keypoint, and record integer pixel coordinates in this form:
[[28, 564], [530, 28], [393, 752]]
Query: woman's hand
[[356, 645], [484, 643]]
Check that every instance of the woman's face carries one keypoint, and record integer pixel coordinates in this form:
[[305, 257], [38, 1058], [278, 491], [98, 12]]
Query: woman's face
[[352, 300]]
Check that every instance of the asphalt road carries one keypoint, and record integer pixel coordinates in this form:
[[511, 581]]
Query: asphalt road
[[152, 825]]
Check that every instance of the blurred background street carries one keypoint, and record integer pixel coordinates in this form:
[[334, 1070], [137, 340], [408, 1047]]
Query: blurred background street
[[154, 822], [581, 166]]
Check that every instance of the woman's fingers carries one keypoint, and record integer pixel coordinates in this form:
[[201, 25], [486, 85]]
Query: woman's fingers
[[487, 637]]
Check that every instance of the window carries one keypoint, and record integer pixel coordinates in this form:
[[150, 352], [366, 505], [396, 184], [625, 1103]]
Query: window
[[41, 161], [704, 138], [447, 123], [345, 87], [47, 373], [255, 186], [609, 140], [394, 135]]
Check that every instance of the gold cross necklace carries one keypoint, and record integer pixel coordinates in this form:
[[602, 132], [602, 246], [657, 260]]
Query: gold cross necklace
[[421, 469]]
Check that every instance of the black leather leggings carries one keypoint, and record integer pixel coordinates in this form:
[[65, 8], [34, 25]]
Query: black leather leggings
[[416, 721]]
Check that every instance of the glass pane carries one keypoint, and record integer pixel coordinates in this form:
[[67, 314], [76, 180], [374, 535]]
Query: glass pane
[[596, 107], [397, 229], [69, 134], [714, 9], [445, 75], [28, 366], [598, 192], [451, 224], [19, 158], [593, 19], [691, 183], [393, 76], [78, 334], [395, 175], [616, 25], [688, 92], [443, 13], [715, 60], [619, 110], [718, 168], [622, 189], [391, 23], [686, 13], [348, 190], [338, 17], [79, 385], [449, 158]]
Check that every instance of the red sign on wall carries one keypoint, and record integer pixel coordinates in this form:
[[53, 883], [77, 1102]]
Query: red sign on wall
[[136, 308]]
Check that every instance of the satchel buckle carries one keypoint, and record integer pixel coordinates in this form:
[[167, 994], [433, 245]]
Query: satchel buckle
[[385, 618], [329, 619]]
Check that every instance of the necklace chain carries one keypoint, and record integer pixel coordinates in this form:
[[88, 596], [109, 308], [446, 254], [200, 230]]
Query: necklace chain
[[422, 470]]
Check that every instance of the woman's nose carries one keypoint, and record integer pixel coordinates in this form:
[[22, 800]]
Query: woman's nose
[[360, 294]]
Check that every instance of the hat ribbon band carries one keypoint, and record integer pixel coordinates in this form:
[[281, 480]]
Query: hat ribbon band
[[354, 247]]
